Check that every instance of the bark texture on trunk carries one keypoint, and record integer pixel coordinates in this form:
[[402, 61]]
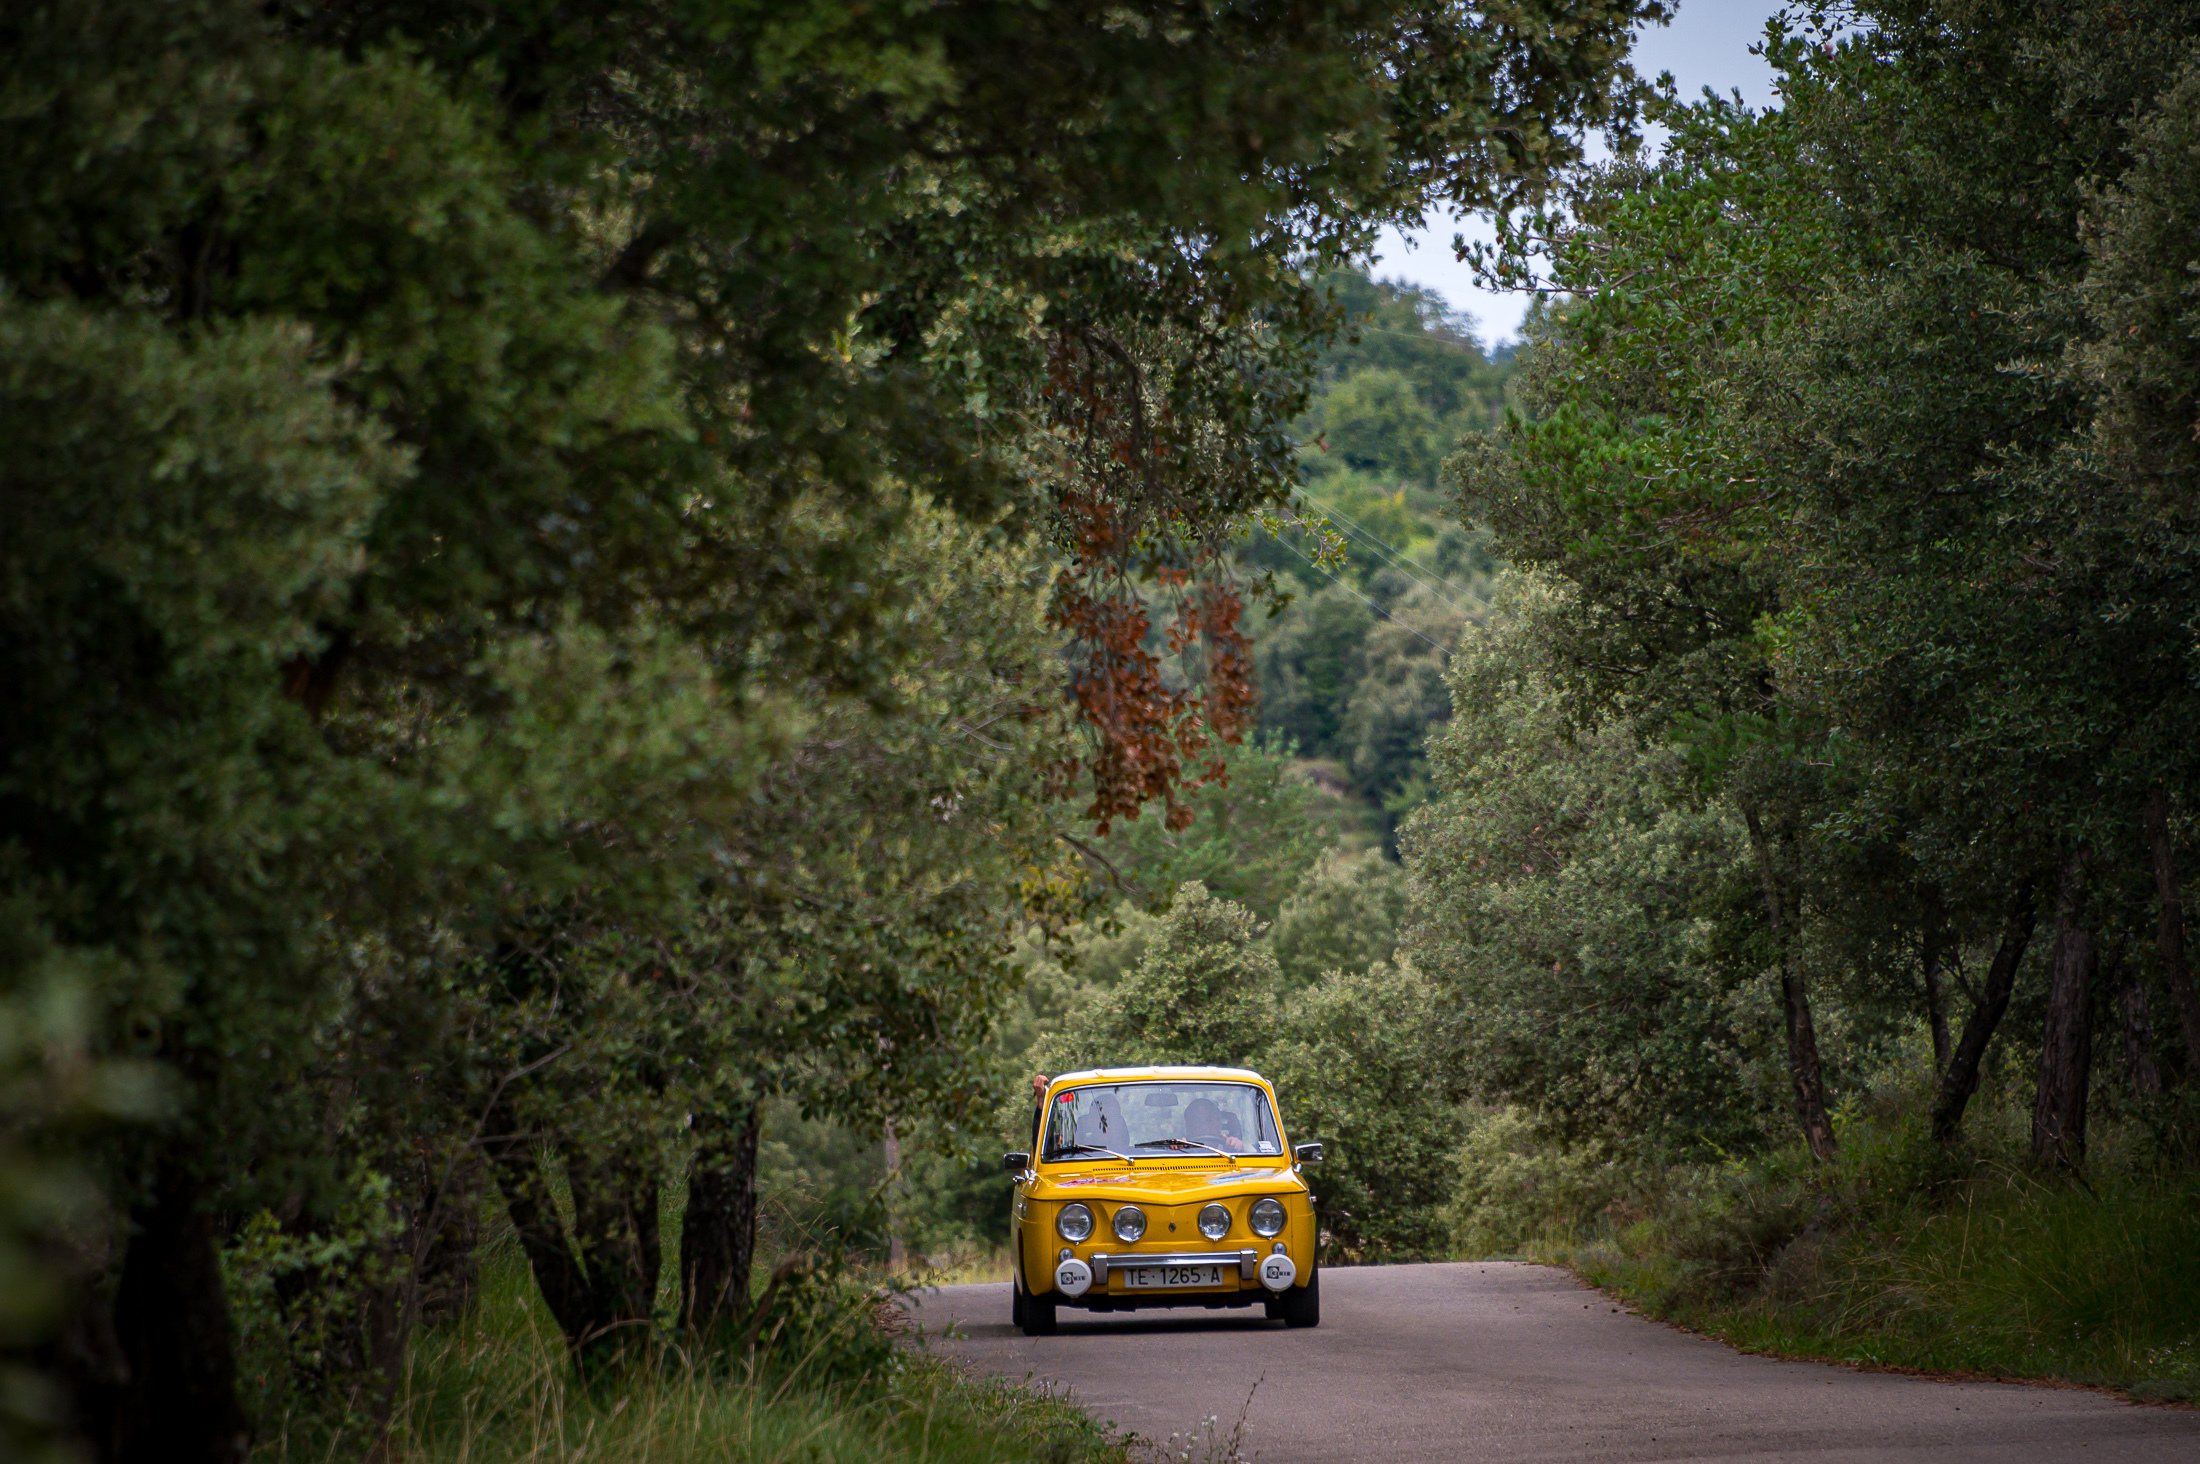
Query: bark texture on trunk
[[1959, 1078], [718, 1232], [1936, 996], [2169, 933], [2066, 1040], [2138, 1024], [178, 1401], [1804, 1068]]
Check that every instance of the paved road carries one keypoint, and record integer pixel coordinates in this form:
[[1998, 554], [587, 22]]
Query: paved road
[[1503, 1362]]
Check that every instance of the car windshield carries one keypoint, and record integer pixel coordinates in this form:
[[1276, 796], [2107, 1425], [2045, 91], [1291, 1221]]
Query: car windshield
[[1158, 1119]]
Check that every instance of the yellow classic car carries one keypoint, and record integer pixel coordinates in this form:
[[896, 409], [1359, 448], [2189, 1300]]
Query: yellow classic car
[[1162, 1186]]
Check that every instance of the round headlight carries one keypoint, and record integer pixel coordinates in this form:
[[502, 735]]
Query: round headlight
[[1075, 1222], [1130, 1223], [1214, 1222], [1267, 1217]]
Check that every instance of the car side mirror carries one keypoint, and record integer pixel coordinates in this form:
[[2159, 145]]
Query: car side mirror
[[1308, 1153], [1014, 1162]]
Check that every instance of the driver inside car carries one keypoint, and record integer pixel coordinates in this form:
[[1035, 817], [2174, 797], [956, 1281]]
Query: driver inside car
[[1204, 1124]]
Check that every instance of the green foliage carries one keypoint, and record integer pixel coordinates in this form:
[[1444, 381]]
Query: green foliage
[[1250, 838], [52, 1090], [1363, 689], [1203, 992], [1840, 465], [1358, 1058], [1982, 1268], [1345, 915], [1517, 1188], [1373, 421], [1400, 698], [1566, 887], [1350, 671], [1309, 665]]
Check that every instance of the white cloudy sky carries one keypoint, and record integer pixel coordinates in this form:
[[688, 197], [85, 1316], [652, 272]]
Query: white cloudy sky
[[1706, 45]]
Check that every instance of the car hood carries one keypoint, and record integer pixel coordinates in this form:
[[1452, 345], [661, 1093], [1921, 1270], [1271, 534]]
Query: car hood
[[1172, 1186]]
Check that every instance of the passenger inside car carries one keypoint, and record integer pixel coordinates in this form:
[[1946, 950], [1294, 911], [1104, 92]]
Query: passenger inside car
[[1101, 1124]]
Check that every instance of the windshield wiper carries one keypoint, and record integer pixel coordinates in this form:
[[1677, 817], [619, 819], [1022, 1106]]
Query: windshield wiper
[[1188, 1144], [1068, 1149]]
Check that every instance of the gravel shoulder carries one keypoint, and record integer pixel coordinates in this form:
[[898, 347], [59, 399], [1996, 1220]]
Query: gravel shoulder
[[1492, 1360]]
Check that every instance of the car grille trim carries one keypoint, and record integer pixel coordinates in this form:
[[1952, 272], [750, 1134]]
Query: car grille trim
[[1247, 1261]]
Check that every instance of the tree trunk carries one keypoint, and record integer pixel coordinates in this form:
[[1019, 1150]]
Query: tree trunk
[[179, 1403], [615, 1228], [2138, 1024], [2169, 932], [601, 1287], [897, 1255], [515, 1159], [1936, 995], [2066, 1041], [1959, 1079], [1804, 1069], [718, 1233]]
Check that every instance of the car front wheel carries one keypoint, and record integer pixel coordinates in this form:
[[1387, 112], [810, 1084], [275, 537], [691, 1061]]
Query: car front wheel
[[1301, 1306], [1034, 1314]]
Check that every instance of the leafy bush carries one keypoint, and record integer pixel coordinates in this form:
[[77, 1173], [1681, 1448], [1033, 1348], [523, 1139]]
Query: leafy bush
[[1203, 992], [1358, 1068], [1344, 916], [1904, 1254], [1516, 1186]]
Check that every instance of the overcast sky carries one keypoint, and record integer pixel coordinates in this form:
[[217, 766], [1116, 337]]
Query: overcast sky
[[1706, 45]]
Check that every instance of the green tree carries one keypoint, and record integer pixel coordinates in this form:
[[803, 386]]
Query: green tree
[[454, 474], [1815, 453], [1345, 915], [1359, 1064], [1373, 421], [1566, 890], [1204, 992], [1249, 840]]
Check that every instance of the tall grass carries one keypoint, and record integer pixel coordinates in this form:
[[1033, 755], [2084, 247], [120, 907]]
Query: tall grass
[[497, 1387], [1903, 1255]]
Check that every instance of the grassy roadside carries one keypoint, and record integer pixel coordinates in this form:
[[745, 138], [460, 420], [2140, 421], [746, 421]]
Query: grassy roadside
[[1902, 1256], [495, 1388]]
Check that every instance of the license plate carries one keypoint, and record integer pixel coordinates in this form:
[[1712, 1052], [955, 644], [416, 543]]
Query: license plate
[[1148, 1277]]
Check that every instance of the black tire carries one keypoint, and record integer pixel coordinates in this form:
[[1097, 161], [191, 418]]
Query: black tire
[[1038, 1316], [1015, 1302], [1301, 1306]]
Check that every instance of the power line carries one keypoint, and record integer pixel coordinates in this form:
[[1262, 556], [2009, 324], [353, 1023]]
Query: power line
[[1398, 556], [1372, 605], [1380, 546]]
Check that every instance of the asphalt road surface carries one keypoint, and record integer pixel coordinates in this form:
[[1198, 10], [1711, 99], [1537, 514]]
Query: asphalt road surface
[[1497, 1361]]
